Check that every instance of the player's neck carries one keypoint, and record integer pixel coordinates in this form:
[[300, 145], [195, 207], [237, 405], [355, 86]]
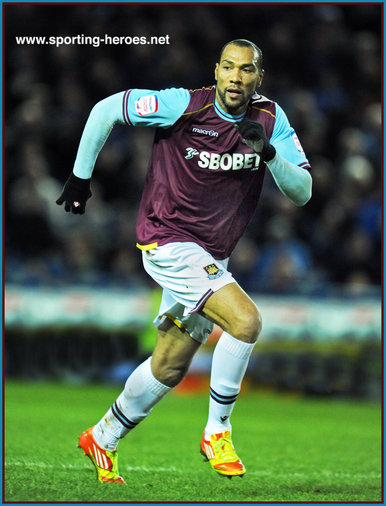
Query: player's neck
[[226, 115]]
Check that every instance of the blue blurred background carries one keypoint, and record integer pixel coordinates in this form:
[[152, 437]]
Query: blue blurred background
[[320, 265]]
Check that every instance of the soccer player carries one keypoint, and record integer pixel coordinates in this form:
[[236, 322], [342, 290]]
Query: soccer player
[[211, 150]]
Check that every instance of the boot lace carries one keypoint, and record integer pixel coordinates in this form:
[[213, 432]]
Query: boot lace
[[224, 450]]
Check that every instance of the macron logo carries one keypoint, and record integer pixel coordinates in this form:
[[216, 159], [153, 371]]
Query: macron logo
[[212, 133]]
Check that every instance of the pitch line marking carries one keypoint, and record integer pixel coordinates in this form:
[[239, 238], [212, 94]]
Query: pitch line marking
[[171, 469]]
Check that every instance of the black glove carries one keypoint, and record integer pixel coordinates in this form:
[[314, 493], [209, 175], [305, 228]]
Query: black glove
[[75, 194], [255, 137]]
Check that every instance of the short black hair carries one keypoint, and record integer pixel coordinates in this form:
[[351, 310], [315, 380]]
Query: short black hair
[[245, 43]]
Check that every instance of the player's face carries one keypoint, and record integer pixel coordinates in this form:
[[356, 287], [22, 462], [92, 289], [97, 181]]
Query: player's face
[[237, 77]]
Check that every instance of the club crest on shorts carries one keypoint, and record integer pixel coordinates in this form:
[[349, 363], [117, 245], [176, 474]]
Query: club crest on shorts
[[213, 271]]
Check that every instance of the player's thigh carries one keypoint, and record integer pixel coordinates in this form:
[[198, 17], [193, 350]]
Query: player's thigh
[[235, 312], [173, 353]]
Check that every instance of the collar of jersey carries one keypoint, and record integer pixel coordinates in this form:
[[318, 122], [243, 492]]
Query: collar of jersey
[[224, 115]]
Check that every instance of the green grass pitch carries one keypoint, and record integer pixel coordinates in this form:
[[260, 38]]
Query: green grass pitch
[[294, 449]]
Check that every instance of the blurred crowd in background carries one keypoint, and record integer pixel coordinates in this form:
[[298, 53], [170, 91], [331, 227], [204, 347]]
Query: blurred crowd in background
[[322, 65]]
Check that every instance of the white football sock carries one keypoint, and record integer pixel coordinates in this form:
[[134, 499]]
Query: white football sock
[[142, 391], [229, 363]]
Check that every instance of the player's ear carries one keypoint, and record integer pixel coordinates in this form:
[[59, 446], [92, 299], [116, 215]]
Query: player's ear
[[260, 78], [216, 71]]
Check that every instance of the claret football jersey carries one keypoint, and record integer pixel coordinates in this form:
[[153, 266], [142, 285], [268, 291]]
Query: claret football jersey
[[203, 182]]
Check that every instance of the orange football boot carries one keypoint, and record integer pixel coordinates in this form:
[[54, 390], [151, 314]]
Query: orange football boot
[[222, 455], [105, 462]]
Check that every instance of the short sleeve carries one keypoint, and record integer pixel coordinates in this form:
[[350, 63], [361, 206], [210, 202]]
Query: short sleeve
[[154, 108]]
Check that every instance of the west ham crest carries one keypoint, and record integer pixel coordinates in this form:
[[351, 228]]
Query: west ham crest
[[213, 271]]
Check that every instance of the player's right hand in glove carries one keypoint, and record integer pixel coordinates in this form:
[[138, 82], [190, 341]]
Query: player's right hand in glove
[[75, 194], [255, 137]]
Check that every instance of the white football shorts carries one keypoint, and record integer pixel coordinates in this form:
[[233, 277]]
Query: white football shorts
[[188, 275]]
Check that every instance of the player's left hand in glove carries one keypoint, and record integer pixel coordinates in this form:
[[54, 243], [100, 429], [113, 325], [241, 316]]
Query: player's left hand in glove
[[75, 194], [255, 137]]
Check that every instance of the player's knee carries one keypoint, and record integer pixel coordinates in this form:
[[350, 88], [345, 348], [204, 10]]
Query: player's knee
[[248, 325]]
